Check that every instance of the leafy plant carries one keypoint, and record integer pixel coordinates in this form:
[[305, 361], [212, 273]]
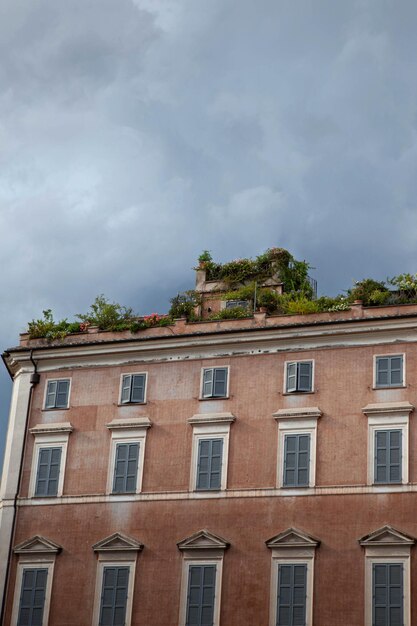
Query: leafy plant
[[182, 305], [364, 289], [236, 312], [406, 284], [302, 306], [269, 299], [107, 315], [47, 327]]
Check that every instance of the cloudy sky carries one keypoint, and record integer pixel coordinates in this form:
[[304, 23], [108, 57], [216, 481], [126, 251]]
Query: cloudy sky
[[136, 133]]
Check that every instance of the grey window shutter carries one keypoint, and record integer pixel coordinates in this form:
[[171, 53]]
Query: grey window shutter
[[382, 376], [387, 594], [296, 461], [201, 595], [208, 383], [62, 393], [51, 394], [126, 468], [396, 370], [114, 596], [291, 377], [305, 376], [220, 382], [388, 456], [32, 597], [47, 476], [138, 388], [291, 596], [209, 465], [126, 386]]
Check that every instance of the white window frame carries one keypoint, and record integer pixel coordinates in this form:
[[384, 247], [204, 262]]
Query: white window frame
[[387, 554], [49, 436], [297, 422], [200, 559], [292, 556], [213, 367], [286, 364], [118, 559], [34, 562], [145, 390], [127, 431], [57, 408], [376, 387], [388, 416], [210, 426]]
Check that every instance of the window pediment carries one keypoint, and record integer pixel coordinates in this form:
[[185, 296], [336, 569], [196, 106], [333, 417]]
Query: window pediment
[[37, 545], [388, 408], [118, 542], [203, 540], [293, 538], [387, 536], [211, 418], [307, 412]]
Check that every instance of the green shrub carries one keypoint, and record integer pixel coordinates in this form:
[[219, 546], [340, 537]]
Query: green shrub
[[302, 306], [237, 312], [182, 305], [364, 289], [107, 315]]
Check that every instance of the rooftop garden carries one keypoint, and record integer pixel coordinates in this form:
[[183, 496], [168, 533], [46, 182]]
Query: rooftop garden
[[247, 282]]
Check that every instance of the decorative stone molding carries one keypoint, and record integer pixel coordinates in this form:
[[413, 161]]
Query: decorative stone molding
[[133, 422], [307, 412], [388, 408], [37, 545], [203, 540], [386, 536], [118, 542], [211, 418], [51, 429], [293, 538]]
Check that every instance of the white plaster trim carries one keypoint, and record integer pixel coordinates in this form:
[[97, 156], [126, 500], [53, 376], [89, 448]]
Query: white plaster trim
[[199, 559], [211, 418], [127, 434], [49, 439], [118, 559], [307, 412], [128, 423], [34, 562], [210, 430], [387, 554], [313, 367], [145, 391], [293, 556], [213, 367], [384, 421], [375, 357]]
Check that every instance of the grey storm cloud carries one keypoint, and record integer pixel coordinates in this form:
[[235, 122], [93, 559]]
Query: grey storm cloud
[[134, 134]]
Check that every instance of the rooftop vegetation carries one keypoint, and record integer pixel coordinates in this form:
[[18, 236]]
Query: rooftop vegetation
[[245, 281]]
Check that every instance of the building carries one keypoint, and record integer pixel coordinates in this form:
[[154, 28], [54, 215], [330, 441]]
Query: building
[[247, 472]]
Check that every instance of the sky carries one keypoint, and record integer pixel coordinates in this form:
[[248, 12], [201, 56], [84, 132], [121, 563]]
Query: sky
[[136, 133]]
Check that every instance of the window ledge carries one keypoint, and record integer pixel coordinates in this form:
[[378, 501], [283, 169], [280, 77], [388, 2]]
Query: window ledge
[[388, 408], [215, 398], [295, 393], [134, 422], [211, 418], [310, 412], [55, 408], [378, 387], [131, 403], [51, 429]]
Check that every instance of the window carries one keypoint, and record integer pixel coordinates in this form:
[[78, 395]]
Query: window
[[49, 459], [116, 566], [215, 382], [114, 596], [388, 445], [126, 468], [291, 603], [387, 594], [389, 371], [297, 442], [292, 592], [32, 594], [57, 394], [133, 389], [202, 568], [210, 450], [49, 464], [388, 456], [232, 304], [296, 460], [127, 453], [209, 464], [387, 577], [299, 376]]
